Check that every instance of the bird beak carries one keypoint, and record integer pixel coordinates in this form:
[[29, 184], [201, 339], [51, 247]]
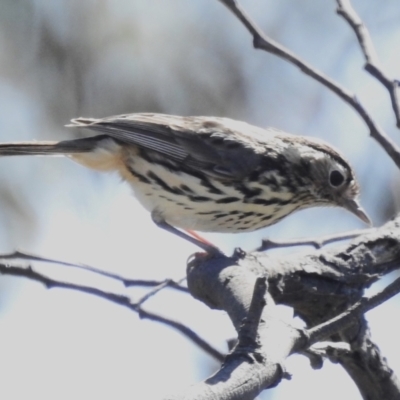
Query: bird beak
[[354, 207]]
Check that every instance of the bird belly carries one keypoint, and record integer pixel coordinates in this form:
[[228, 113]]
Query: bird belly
[[199, 202]]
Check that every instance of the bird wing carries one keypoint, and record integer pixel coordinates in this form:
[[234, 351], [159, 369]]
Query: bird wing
[[219, 147]]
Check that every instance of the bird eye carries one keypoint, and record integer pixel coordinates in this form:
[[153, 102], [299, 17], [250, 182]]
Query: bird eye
[[336, 178]]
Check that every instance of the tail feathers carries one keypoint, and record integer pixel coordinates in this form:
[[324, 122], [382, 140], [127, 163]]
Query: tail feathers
[[50, 148]]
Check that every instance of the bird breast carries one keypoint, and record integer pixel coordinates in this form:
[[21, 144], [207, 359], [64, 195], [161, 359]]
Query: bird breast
[[200, 202]]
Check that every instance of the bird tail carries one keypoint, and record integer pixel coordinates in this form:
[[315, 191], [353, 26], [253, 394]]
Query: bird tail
[[65, 147]]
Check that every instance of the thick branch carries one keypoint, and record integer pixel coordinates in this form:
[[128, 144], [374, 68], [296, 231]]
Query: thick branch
[[322, 283], [248, 332], [319, 286], [255, 362], [358, 309]]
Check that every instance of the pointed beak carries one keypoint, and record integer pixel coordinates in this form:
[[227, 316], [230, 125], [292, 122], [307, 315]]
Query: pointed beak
[[354, 207]]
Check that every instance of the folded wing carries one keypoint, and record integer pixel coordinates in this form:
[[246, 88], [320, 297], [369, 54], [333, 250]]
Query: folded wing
[[219, 147]]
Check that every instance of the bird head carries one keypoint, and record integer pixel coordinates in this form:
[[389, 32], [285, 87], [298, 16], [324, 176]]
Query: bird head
[[327, 176]]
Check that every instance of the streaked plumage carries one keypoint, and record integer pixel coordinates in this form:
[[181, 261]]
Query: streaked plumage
[[211, 174]]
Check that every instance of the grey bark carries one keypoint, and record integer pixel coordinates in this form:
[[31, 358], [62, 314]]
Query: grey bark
[[319, 286]]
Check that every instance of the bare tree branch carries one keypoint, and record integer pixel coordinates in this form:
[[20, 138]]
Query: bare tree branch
[[253, 365], [373, 65], [345, 319], [317, 243], [261, 41], [236, 285], [320, 286], [116, 298], [156, 290], [325, 288], [325, 349], [21, 255], [248, 332]]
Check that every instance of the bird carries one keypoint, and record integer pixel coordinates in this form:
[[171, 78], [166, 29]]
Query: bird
[[210, 174]]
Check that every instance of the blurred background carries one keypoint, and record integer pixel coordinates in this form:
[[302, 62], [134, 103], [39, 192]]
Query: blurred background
[[62, 59]]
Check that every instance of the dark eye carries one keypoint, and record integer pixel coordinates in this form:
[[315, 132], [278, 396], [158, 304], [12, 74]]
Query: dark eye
[[336, 178]]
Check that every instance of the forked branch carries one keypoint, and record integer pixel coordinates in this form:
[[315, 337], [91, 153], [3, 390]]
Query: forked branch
[[324, 287], [263, 42], [372, 63], [117, 298]]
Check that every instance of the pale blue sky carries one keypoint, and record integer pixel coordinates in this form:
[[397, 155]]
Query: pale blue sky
[[63, 59]]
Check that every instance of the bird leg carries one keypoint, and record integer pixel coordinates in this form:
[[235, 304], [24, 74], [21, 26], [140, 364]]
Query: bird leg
[[191, 236]]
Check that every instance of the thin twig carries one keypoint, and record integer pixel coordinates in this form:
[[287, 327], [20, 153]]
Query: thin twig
[[372, 63], [169, 283], [19, 255], [157, 289], [116, 298], [267, 244], [261, 41], [185, 331]]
